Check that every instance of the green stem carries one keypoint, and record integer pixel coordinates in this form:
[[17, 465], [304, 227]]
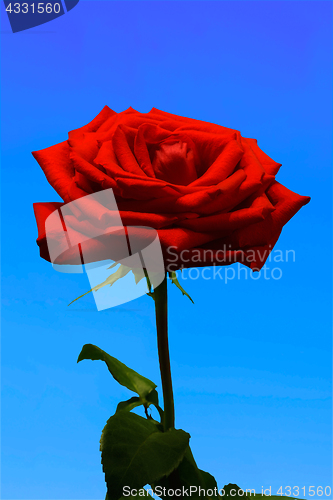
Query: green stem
[[161, 310]]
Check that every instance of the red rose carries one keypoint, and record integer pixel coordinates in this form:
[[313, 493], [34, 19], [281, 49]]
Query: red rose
[[210, 193]]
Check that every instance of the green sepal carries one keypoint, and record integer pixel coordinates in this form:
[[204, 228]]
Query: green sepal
[[120, 372], [122, 270], [135, 452], [173, 277], [119, 273]]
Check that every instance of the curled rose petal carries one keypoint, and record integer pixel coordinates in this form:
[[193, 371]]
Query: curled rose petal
[[142, 154], [223, 166], [270, 166], [57, 167], [124, 155], [286, 205], [92, 172], [95, 124]]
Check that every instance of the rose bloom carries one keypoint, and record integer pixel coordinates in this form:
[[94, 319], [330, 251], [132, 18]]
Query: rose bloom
[[210, 193]]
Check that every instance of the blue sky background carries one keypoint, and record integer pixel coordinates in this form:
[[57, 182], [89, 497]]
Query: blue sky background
[[251, 360]]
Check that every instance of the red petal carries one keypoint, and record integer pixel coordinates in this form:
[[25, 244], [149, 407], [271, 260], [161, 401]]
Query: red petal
[[286, 204], [222, 167], [95, 124], [226, 223], [92, 172], [142, 154], [191, 123], [124, 154], [85, 146], [57, 167], [270, 166]]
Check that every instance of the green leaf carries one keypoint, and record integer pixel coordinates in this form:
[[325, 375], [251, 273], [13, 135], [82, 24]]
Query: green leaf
[[234, 488], [120, 372], [173, 277], [152, 398], [208, 480], [186, 475], [136, 453], [130, 404]]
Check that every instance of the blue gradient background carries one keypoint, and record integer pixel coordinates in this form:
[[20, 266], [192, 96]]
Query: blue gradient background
[[251, 360]]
